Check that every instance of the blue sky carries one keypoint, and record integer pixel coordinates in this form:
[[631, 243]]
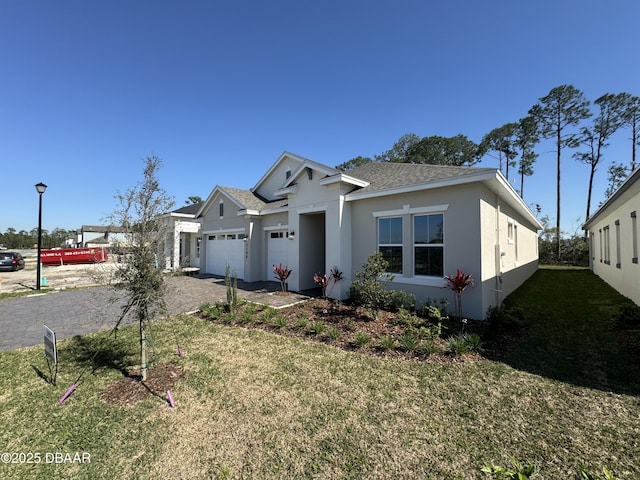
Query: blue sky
[[219, 89]]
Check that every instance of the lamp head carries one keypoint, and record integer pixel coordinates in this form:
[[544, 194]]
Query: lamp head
[[41, 187]]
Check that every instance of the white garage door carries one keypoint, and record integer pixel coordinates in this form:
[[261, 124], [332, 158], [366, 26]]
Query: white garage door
[[277, 248], [223, 249]]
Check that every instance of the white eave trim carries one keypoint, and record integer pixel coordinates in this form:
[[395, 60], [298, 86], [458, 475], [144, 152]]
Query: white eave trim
[[259, 213], [183, 215], [492, 178], [283, 192], [342, 178]]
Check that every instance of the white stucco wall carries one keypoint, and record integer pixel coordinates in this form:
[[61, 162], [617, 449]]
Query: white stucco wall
[[471, 235], [509, 249], [460, 206], [625, 275]]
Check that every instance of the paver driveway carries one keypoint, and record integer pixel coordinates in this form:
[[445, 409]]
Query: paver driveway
[[77, 312]]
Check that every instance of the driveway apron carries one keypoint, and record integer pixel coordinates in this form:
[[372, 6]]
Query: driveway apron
[[78, 312]]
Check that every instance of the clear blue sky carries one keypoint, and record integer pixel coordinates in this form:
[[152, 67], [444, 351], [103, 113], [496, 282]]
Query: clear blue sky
[[219, 90]]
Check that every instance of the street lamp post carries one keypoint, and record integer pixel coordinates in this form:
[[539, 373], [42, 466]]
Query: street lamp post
[[40, 187]]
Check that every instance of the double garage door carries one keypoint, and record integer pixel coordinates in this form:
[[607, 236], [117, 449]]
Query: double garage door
[[228, 249], [225, 249]]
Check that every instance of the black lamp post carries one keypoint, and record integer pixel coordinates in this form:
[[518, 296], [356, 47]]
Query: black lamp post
[[40, 187]]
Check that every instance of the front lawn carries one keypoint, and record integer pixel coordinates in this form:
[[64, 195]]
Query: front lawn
[[253, 403]]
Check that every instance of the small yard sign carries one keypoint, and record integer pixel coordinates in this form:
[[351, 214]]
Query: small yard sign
[[50, 350]]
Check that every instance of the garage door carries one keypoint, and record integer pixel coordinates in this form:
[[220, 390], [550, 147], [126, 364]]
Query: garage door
[[277, 248], [223, 249]]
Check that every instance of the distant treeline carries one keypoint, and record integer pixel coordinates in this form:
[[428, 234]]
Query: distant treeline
[[13, 239]]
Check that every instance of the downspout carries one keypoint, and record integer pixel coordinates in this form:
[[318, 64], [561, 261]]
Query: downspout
[[498, 256]]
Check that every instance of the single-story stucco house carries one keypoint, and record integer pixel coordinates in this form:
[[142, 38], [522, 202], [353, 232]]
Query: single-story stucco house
[[96, 236], [613, 239], [181, 247], [427, 220]]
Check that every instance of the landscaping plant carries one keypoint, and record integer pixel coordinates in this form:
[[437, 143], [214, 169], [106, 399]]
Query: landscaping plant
[[231, 282], [518, 472], [323, 280], [458, 283], [139, 275], [282, 273], [367, 290]]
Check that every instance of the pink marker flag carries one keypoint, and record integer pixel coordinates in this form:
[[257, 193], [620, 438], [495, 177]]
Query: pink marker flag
[[68, 392]]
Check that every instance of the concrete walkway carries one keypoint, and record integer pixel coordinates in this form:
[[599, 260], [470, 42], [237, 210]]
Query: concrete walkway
[[77, 312]]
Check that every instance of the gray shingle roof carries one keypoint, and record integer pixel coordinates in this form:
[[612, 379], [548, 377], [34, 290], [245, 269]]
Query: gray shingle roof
[[250, 200], [385, 175], [188, 209]]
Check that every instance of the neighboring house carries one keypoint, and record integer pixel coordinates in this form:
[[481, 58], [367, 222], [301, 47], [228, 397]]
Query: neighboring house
[[613, 239], [100, 236], [181, 249], [427, 221]]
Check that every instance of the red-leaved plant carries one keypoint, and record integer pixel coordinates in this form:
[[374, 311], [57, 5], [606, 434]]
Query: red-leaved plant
[[323, 281], [458, 283], [282, 272], [335, 275]]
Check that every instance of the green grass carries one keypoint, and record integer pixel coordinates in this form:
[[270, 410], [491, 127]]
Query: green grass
[[570, 333], [254, 404]]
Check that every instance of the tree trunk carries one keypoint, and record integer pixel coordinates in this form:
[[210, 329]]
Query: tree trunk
[[591, 175], [558, 196], [634, 136], [143, 352]]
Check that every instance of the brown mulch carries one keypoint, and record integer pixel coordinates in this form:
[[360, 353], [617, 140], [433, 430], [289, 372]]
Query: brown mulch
[[131, 389], [350, 320]]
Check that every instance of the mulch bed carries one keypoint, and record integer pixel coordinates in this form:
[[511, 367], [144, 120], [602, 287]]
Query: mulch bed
[[350, 320], [131, 389]]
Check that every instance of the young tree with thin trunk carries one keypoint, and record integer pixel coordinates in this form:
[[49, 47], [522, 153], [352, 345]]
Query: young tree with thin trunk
[[564, 106], [596, 136], [139, 274]]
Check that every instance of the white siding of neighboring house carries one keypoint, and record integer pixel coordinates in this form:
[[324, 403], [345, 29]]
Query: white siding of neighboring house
[[624, 275]]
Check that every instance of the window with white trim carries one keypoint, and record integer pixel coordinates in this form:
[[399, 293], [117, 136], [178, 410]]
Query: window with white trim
[[510, 231], [607, 245], [428, 245], [600, 244], [390, 242], [634, 237], [221, 207], [618, 252]]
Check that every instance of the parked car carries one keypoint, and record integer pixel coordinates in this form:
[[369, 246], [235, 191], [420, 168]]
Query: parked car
[[11, 261]]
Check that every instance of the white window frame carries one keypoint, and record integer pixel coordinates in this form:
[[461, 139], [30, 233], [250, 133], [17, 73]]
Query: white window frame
[[634, 237], [431, 245], [392, 245], [607, 245], [618, 251]]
